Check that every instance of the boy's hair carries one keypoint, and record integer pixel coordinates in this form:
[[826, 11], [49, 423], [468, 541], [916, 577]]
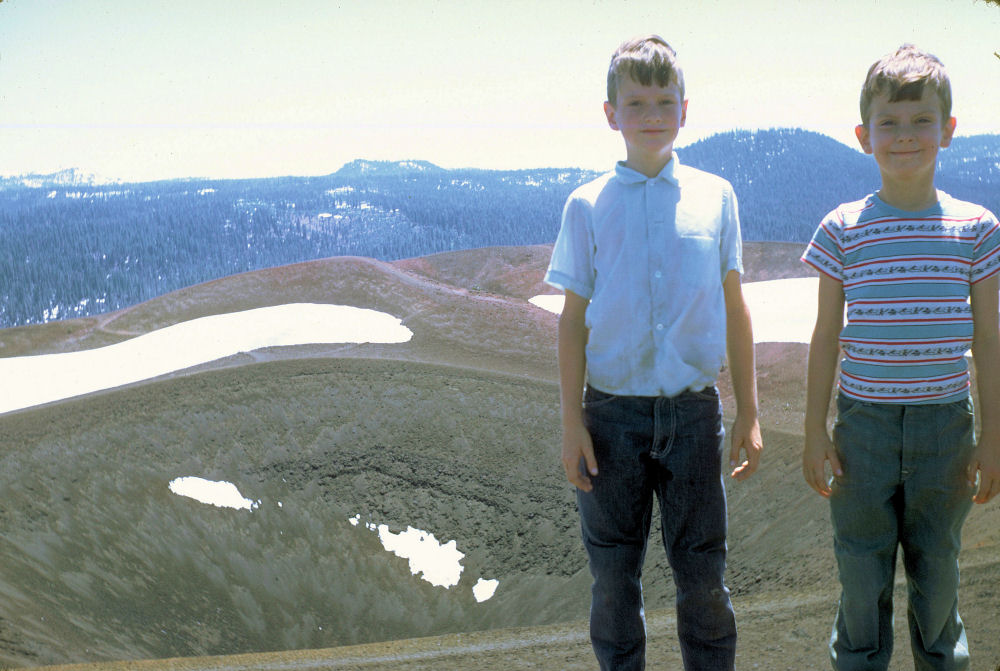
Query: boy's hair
[[644, 60], [902, 75]]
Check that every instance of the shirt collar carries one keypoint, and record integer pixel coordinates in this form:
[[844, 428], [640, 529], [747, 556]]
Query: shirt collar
[[627, 175]]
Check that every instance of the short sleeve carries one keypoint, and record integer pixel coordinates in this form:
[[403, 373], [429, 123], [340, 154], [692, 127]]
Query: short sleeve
[[824, 250], [986, 255], [730, 239], [572, 264]]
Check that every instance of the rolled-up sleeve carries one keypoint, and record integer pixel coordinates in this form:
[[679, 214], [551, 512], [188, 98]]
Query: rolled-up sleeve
[[730, 237], [572, 264]]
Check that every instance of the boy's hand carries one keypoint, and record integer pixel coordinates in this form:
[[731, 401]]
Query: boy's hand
[[746, 438], [985, 461], [819, 450], [577, 452]]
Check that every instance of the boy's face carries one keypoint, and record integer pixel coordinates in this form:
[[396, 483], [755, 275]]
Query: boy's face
[[648, 117], [904, 136]]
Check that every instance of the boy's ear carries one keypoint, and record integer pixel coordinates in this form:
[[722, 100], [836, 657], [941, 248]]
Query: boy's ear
[[609, 111], [861, 131], [948, 131]]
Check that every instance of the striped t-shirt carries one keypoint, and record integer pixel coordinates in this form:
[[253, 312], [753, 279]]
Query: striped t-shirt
[[906, 278]]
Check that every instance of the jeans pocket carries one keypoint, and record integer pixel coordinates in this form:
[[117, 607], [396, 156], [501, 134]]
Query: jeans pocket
[[594, 399], [963, 409], [847, 406], [706, 394]]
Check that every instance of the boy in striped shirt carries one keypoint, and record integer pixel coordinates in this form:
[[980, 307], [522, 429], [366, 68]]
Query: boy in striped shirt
[[919, 272]]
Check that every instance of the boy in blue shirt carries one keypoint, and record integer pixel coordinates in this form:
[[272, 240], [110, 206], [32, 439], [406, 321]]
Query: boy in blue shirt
[[919, 273], [650, 258]]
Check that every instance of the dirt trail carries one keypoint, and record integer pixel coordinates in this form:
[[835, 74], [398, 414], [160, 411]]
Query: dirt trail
[[560, 647]]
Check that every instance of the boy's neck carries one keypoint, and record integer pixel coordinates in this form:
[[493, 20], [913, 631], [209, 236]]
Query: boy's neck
[[908, 196], [650, 166]]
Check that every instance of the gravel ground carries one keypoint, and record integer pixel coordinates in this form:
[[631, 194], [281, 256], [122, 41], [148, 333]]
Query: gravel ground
[[455, 432]]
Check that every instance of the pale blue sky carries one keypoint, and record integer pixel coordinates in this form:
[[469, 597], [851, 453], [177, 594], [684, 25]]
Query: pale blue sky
[[143, 89]]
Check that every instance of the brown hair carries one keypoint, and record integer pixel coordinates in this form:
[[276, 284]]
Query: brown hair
[[644, 60], [902, 75]]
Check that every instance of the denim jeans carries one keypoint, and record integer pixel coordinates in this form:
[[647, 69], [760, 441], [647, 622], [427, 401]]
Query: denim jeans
[[670, 448], [904, 484]]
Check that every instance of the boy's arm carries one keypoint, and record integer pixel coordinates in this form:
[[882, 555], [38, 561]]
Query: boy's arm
[[576, 444], [986, 355], [824, 350], [739, 343]]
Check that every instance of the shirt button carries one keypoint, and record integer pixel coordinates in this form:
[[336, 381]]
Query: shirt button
[[659, 327], [657, 274]]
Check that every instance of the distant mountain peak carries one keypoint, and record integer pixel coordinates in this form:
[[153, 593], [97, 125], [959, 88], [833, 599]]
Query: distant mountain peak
[[366, 167], [60, 178]]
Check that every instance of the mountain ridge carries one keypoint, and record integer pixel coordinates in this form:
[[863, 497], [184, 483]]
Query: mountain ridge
[[985, 144]]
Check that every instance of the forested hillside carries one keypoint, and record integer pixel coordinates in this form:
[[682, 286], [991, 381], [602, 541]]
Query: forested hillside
[[70, 248], [787, 180], [74, 251]]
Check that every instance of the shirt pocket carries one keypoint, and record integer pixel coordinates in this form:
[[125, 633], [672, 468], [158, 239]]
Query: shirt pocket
[[698, 261]]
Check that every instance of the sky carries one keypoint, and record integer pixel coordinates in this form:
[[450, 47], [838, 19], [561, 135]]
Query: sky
[[253, 88]]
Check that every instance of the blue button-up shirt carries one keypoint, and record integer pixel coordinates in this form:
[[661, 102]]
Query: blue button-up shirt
[[651, 255]]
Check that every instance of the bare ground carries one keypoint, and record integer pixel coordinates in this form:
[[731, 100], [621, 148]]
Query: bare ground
[[456, 432]]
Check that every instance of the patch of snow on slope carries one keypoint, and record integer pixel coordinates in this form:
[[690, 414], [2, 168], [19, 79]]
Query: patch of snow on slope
[[32, 380], [437, 563], [221, 494]]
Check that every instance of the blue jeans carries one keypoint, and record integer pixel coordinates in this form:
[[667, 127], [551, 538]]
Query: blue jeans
[[904, 484], [670, 448]]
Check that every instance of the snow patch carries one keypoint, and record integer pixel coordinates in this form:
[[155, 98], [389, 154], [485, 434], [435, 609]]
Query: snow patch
[[552, 303], [782, 310], [221, 494], [32, 380], [485, 589], [437, 563]]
